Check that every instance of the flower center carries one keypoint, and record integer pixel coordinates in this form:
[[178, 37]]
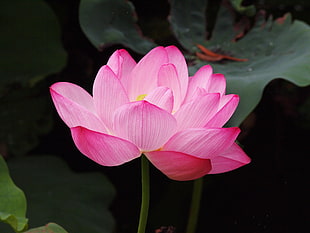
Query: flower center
[[141, 97]]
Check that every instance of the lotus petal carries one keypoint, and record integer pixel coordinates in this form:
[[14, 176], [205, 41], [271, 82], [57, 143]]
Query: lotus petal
[[102, 148], [144, 124], [179, 166]]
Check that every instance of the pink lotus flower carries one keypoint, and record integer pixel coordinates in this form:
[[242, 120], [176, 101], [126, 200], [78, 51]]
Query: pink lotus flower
[[153, 107]]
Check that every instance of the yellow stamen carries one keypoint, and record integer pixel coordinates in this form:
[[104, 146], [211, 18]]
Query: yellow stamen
[[141, 97]]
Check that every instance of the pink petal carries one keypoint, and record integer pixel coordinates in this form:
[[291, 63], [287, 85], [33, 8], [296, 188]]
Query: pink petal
[[198, 112], [231, 159], [199, 80], [143, 77], [122, 64], [144, 124], [104, 149], [177, 58], [108, 93], [202, 143], [228, 105], [179, 166], [161, 97], [217, 84], [75, 93], [168, 77], [75, 106]]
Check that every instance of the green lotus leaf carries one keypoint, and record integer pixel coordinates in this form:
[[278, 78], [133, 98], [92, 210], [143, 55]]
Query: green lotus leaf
[[274, 49], [188, 22], [49, 228], [12, 201], [107, 22], [79, 202]]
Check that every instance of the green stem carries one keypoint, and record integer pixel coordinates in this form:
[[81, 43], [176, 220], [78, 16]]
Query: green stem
[[194, 209], [145, 177]]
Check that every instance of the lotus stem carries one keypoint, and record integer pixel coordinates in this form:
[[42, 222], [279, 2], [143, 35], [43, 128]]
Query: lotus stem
[[145, 178], [195, 206]]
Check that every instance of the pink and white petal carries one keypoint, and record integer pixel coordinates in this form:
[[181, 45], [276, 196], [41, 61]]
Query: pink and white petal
[[179, 166], [144, 124], [74, 93], [226, 99], [200, 79], [75, 106], [108, 93], [161, 97], [122, 64], [102, 148], [177, 58], [202, 143], [200, 92], [217, 84], [144, 75], [228, 105], [231, 159], [198, 112], [168, 77]]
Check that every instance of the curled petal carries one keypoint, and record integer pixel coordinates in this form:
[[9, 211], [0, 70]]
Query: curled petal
[[217, 84], [176, 57], [228, 105], [168, 77], [179, 166], [199, 80], [161, 97], [231, 159], [108, 93], [102, 148], [203, 78], [75, 106], [122, 64], [202, 143], [197, 113], [143, 77], [144, 124]]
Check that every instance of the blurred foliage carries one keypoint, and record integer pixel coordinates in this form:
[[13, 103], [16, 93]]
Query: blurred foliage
[[12, 201], [246, 10], [274, 49], [108, 22], [188, 22], [31, 49], [25, 114], [77, 201], [30, 43]]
